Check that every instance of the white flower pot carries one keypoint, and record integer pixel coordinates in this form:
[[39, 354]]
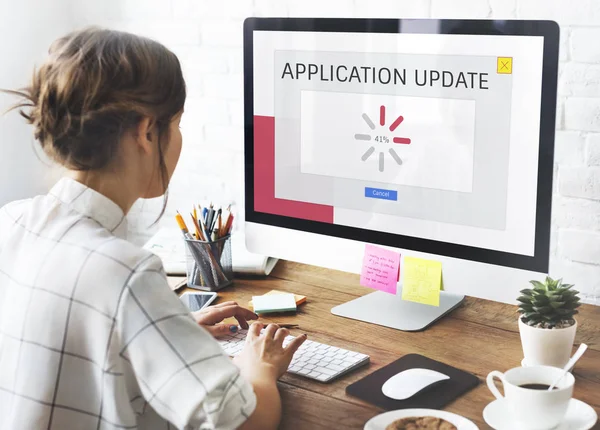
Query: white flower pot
[[547, 347]]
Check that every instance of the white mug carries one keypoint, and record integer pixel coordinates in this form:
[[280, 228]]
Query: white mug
[[529, 408]]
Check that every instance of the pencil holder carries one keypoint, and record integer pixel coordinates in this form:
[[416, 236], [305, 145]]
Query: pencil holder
[[208, 264]]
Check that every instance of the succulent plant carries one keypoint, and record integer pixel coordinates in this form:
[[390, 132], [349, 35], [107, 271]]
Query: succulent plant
[[551, 304]]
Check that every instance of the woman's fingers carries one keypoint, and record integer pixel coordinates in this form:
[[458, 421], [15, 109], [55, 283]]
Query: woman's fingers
[[271, 330], [280, 335], [220, 305], [221, 330], [254, 330], [216, 315], [293, 346]]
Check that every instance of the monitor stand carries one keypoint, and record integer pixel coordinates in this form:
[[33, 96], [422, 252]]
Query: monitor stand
[[391, 311]]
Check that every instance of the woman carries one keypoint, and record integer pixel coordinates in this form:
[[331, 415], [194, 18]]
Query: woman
[[91, 336]]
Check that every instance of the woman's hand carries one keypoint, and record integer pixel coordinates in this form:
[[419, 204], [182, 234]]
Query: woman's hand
[[264, 358], [210, 318]]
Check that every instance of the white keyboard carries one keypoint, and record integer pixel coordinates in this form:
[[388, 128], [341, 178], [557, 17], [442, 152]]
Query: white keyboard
[[313, 360]]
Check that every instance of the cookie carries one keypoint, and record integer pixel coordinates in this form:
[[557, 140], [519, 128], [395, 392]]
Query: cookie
[[421, 423]]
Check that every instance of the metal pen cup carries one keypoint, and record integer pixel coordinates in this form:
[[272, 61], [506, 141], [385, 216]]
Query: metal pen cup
[[208, 264]]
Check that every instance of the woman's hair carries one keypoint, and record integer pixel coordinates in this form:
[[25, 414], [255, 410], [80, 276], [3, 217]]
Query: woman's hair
[[95, 85]]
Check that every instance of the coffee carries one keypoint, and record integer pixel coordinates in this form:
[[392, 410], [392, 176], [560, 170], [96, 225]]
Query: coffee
[[536, 386]]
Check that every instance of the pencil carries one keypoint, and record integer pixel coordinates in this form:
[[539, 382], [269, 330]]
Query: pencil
[[182, 225], [230, 225], [197, 227], [287, 325], [225, 222], [219, 223]]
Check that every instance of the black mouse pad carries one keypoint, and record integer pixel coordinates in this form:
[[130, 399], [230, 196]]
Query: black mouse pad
[[436, 396]]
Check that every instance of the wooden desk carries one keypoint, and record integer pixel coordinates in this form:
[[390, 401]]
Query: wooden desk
[[479, 337]]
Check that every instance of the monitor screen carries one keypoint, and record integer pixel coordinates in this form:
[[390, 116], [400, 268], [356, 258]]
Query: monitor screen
[[428, 140]]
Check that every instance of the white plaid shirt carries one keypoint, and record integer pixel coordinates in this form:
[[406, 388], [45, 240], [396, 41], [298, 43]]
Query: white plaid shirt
[[91, 336]]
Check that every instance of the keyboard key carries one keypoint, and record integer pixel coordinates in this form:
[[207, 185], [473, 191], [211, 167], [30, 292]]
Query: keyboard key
[[334, 367], [314, 374], [325, 371], [323, 378], [337, 361]]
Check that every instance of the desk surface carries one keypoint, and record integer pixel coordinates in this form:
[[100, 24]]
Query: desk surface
[[479, 337]]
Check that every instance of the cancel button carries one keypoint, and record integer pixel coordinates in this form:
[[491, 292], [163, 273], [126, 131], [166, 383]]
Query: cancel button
[[379, 193]]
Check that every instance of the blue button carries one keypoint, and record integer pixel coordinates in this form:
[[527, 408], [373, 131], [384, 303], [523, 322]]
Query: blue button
[[378, 193]]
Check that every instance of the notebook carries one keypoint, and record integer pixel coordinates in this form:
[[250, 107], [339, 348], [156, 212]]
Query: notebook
[[299, 298], [274, 303], [168, 245], [435, 397]]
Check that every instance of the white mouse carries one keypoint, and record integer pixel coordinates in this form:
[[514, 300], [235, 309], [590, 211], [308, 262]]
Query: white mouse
[[409, 382]]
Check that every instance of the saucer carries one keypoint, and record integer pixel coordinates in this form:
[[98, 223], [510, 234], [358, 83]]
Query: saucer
[[381, 421], [579, 416]]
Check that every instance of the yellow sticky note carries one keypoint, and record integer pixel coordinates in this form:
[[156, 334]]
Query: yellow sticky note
[[504, 65], [422, 280]]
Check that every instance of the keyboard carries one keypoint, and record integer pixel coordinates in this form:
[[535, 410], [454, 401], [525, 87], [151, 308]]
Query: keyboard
[[313, 360]]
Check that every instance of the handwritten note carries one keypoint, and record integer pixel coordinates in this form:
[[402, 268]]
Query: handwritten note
[[380, 269], [422, 281]]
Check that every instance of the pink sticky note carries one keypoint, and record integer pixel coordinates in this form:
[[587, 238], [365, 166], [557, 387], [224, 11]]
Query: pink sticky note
[[380, 269]]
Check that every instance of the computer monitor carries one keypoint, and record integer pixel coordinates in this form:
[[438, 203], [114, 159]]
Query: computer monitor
[[431, 137]]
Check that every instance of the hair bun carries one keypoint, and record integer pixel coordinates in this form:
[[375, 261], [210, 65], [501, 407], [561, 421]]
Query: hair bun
[[95, 85]]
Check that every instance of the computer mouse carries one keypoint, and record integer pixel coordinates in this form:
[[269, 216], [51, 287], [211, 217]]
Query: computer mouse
[[409, 382]]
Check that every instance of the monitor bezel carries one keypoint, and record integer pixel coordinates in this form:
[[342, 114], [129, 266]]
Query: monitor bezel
[[549, 30]]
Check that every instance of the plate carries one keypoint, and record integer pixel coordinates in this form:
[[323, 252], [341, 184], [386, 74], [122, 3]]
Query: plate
[[580, 416], [381, 421]]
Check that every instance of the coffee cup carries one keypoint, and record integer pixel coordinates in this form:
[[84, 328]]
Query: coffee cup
[[527, 398]]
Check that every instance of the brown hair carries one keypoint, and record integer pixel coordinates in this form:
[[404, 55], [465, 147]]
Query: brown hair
[[95, 85]]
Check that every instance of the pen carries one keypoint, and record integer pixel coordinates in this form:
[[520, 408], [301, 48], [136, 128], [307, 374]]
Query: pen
[[209, 218], [218, 221]]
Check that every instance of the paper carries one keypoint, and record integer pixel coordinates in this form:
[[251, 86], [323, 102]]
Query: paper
[[274, 303], [422, 281], [299, 298], [169, 246], [380, 269]]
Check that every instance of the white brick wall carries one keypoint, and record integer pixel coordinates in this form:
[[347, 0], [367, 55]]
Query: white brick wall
[[207, 36]]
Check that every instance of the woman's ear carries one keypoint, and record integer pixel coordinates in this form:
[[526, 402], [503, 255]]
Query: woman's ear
[[145, 135]]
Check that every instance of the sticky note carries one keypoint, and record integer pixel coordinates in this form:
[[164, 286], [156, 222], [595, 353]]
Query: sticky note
[[299, 298], [422, 280], [270, 303], [504, 65], [380, 269]]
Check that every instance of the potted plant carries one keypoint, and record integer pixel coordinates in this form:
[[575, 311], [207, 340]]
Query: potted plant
[[547, 324]]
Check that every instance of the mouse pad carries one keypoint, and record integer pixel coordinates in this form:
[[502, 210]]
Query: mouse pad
[[435, 396]]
